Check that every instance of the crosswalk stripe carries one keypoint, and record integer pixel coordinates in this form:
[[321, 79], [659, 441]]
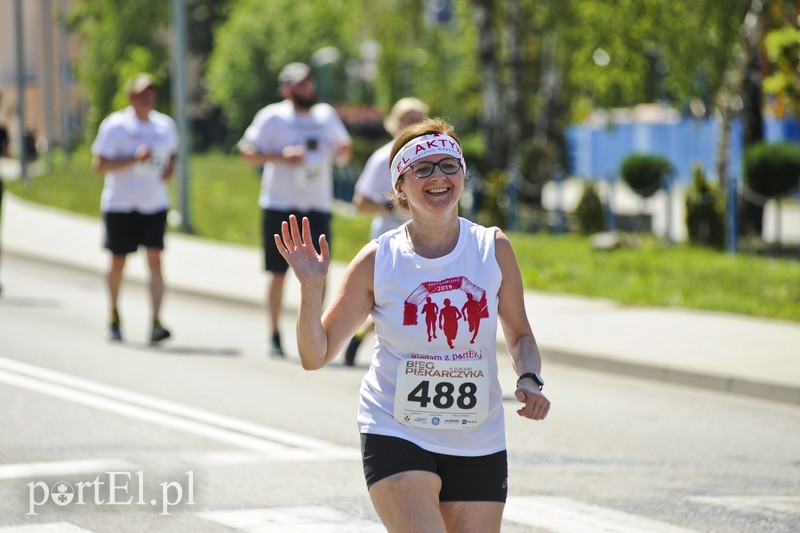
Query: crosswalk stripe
[[307, 519], [166, 406], [545, 513], [63, 468], [782, 504], [274, 442], [154, 417], [564, 515]]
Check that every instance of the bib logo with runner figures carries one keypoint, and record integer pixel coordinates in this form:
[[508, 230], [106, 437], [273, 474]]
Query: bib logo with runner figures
[[465, 301]]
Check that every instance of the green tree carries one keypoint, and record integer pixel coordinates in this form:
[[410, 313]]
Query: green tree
[[432, 60], [783, 50], [259, 38], [119, 39], [645, 173], [705, 211], [621, 53], [589, 211]]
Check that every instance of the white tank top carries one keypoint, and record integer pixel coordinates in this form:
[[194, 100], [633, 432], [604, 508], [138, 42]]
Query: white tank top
[[422, 306]]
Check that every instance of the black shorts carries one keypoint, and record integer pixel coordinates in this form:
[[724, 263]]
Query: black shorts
[[464, 479], [271, 224], [125, 232]]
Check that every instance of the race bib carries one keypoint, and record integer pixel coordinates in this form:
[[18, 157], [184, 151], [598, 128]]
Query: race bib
[[156, 164], [442, 394], [313, 174]]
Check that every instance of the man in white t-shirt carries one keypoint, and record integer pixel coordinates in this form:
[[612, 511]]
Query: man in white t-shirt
[[135, 149], [373, 192], [297, 141]]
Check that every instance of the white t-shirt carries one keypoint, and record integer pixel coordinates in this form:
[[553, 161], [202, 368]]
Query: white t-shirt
[[309, 185], [454, 294], [375, 184], [139, 187]]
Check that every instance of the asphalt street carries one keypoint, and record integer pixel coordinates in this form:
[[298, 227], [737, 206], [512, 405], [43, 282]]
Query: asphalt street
[[207, 433]]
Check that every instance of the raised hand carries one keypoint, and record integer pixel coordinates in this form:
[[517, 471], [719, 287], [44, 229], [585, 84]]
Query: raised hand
[[309, 266]]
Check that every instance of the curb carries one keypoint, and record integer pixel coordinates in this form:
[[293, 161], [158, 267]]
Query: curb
[[729, 384]]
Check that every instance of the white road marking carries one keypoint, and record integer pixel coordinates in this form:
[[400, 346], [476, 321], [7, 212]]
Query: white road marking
[[782, 504], [59, 468], [305, 519], [275, 443], [52, 527], [564, 515], [244, 457]]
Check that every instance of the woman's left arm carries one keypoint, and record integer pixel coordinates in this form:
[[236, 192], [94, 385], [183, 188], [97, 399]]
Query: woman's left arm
[[525, 356]]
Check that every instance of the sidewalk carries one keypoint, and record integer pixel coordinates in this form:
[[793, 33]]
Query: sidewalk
[[718, 351]]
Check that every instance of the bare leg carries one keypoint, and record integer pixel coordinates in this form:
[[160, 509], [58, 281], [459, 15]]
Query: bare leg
[[409, 501], [114, 280], [275, 299], [473, 517], [156, 280]]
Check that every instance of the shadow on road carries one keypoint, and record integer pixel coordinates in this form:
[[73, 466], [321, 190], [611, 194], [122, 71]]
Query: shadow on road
[[17, 301], [183, 350]]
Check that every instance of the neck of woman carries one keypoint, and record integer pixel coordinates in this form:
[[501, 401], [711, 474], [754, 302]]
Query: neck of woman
[[433, 239]]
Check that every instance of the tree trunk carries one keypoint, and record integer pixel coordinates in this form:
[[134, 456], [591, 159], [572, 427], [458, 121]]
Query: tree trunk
[[492, 116], [724, 146], [514, 86], [752, 215]]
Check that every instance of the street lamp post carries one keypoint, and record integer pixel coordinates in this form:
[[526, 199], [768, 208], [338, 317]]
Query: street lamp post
[[20, 42], [179, 97]]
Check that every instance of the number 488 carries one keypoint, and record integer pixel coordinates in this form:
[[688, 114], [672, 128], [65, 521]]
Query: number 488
[[443, 399]]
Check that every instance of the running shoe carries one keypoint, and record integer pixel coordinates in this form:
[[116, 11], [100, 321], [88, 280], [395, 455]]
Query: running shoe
[[275, 348], [114, 328], [159, 333]]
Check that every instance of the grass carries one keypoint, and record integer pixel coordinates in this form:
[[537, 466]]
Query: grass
[[224, 206]]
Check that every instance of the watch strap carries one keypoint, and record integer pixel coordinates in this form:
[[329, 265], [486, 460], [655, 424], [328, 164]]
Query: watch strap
[[534, 376]]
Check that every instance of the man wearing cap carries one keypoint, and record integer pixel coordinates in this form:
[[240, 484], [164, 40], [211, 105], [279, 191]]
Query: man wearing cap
[[297, 141], [135, 149], [373, 190]]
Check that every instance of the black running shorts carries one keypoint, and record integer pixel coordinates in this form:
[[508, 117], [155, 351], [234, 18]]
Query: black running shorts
[[271, 224], [125, 232], [464, 479]]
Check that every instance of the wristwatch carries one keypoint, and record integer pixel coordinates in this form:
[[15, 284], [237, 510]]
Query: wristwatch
[[534, 376]]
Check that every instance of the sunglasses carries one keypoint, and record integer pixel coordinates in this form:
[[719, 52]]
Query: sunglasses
[[424, 169]]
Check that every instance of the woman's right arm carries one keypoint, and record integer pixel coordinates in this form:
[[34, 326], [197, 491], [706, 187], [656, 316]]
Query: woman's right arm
[[320, 337]]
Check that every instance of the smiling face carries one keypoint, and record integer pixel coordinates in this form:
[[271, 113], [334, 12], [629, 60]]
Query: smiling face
[[432, 141], [438, 192]]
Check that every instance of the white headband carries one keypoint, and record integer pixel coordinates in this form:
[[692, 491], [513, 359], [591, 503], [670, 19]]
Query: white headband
[[419, 147]]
